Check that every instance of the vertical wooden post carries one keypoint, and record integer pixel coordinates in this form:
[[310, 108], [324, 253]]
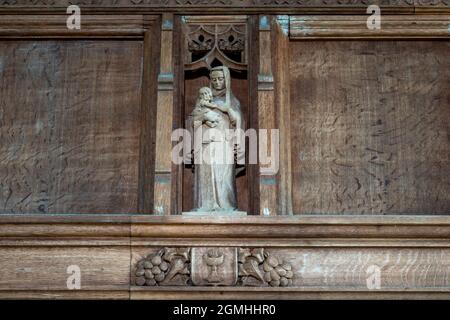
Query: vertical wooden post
[[266, 116], [282, 105], [148, 117], [164, 118]]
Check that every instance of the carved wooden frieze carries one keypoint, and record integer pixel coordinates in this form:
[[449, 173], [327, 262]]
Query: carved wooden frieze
[[244, 4], [213, 266], [259, 268], [167, 267]]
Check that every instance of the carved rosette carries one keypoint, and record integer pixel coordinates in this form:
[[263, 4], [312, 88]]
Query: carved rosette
[[254, 267], [258, 267], [167, 267]]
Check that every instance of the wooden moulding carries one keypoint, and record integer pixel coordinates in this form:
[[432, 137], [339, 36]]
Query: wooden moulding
[[55, 26], [313, 293], [225, 7], [254, 228], [355, 27]]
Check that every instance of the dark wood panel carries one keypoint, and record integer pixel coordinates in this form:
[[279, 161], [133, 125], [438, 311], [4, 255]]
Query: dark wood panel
[[69, 126], [371, 127]]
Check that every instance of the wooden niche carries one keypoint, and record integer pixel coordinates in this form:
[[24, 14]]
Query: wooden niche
[[207, 42]]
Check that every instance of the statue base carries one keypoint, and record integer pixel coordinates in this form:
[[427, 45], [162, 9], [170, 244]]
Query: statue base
[[215, 214]]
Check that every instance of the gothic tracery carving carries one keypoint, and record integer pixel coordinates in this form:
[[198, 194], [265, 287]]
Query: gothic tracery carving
[[225, 42]]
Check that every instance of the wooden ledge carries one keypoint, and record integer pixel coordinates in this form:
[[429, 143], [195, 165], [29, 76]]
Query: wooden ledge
[[250, 227], [222, 293], [313, 27], [248, 220]]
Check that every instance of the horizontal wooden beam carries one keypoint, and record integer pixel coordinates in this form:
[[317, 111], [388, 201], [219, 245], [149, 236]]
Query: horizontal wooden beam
[[222, 293], [308, 293], [405, 220], [281, 227], [55, 26], [355, 27]]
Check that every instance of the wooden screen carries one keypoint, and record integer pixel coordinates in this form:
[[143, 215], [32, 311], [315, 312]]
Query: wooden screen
[[370, 127], [69, 135]]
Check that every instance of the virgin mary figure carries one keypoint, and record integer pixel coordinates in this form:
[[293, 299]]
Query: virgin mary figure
[[215, 119]]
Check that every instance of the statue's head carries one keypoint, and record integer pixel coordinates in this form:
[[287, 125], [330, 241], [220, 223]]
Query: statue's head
[[218, 79], [221, 82]]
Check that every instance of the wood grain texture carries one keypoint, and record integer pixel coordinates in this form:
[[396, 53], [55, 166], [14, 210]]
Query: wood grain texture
[[370, 126], [55, 26], [45, 268], [268, 182], [163, 203], [342, 267], [355, 27], [359, 229], [148, 119], [312, 293], [283, 110], [330, 255], [69, 139]]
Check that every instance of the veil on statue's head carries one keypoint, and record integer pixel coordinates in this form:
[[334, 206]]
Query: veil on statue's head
[[227, 76]]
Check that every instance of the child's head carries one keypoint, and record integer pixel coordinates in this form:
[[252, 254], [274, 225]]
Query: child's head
[[205, 93]]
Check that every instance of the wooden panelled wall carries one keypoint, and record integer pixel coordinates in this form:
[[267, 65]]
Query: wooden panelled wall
[[364, 120], [372, 124], [70, 142]]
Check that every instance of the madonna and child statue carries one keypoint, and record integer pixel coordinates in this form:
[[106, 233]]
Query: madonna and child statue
[[215, 124]]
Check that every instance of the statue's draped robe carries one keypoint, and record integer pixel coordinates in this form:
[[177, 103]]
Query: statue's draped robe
[[215, 182]]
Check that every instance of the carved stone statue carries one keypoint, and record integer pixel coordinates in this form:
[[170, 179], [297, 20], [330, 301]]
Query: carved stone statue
[[214, 120]]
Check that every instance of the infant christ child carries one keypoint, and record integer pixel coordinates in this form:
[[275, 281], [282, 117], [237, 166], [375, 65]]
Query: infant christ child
[[204, 107]]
